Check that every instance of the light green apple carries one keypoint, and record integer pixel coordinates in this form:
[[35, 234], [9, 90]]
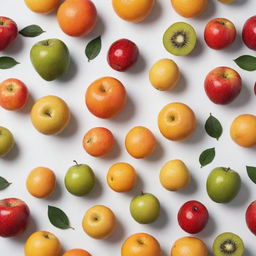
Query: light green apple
[[50, 58], [145, 208], [6, 141]]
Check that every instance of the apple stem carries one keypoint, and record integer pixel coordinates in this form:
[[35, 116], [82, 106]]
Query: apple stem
[[75, 162], [1, 22], [228, 169], [195, 209], [142, 193]]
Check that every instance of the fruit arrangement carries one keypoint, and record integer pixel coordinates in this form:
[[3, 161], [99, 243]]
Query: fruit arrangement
[[88, 165]]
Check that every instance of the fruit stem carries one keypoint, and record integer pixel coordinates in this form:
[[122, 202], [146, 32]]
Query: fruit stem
[[1, 22], [142, 193], [228, 169], [75, 162], [195, 209]]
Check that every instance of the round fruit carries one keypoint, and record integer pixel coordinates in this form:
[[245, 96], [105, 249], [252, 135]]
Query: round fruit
[[176, 121], [41, 182], [228, 244], [6, 141], [42, 243], [133, 10], [164, 74], [249, 33], [141, 244], [121, 177], [189, 8], [140, 142], [189, 246], [250, 217], [98, 141], [77, 17], [77, 252], [179, 39], [42, 6], [242, 130], [174, 175], [99, 222], [223, 184], [105, 97]]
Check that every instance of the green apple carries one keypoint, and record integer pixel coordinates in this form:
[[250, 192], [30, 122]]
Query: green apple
[[50, 58], [145, 208], [6, 141], [79, 179], [223, 184]]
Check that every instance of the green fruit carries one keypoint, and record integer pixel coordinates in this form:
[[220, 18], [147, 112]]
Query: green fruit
[[228, 244], [6, 141], [79, 180], [223, 184], [50, 58], [179, 39], [145, 208]]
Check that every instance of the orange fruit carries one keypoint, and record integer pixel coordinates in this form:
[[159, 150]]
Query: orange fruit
[[140, 142], [42, 6], [77, 252], [189, 8], [133, 10], [243, 130], [189, 246], [121, 177], [77, 17], [41, 182]]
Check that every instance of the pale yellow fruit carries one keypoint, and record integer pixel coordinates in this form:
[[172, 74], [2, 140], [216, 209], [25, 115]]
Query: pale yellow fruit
[[174, 175], [164, 74]]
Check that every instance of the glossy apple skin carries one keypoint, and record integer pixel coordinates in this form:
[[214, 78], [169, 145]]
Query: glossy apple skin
[[122, 54], [8, 32], [249, 33], [250, 217], [219, 33], [193, 217], [14, 215], [222, 85]]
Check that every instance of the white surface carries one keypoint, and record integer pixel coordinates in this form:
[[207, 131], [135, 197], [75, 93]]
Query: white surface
[[57, 152]]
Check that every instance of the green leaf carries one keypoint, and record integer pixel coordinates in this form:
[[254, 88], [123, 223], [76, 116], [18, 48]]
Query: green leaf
[[31, 31], [251, 171], [58, 218], [93, 48], [213, 127], [207, 156], [7, 62], [4, 183], [246, 62]]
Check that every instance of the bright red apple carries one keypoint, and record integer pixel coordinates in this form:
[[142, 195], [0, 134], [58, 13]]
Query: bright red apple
[[219, 33], [250, 217], [13, 94], [222, 85], [249, 33], [122, 54], [8, 32], [14, 214], [193, 217]]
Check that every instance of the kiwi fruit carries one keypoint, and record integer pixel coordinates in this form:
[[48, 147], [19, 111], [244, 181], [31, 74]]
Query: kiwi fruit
[[228, 244], [179, 39]]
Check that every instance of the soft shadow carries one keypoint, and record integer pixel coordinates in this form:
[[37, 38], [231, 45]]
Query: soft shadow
[[181, 86], [118, 234], [209, 12], [57, 193], [16, 47], [96, 192], [98, 30], [239, 3], [27, 108], [165, 253], [162, 220], [210, 228], [242, 99], [190, 189], [248, 252], [198, 50], [236, 45], [138, 188], [155, 14], [13, 154], [71, 128], [157, 154], [115, 152], [72, 71], [139, 66]]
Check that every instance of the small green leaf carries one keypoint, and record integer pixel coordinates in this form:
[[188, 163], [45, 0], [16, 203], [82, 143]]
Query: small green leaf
[[251, 171], [213, 127], [4, 183], [207, 156], [246, 62], [7, 62], [31, 31], [58, 218], [93, 48]]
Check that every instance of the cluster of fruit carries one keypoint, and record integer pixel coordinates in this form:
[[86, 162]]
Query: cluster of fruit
[[105, 98]]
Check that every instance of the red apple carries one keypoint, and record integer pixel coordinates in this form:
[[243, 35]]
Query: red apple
[[219, 33], [122, 54], [13, 94], [14, 214], [222, 85], [249, 33], [193, 217], [8, 32], [250, 217]]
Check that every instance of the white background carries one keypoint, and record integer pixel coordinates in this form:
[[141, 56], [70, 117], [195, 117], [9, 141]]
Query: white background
[[57, 152]]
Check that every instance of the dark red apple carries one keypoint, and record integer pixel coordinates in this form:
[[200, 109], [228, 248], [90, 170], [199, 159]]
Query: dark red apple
[[8, 32], [122, 54], [222, 85], [14, 214], [219, 33], [250, 217], [249, 33], [193, 217]]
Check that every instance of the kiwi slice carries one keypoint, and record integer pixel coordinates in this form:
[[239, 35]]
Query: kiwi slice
[[179, 39], [228, 244]]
